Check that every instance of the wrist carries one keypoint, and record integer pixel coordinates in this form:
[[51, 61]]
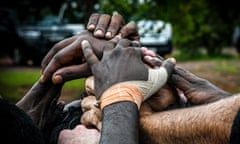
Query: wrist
[[121, 92]]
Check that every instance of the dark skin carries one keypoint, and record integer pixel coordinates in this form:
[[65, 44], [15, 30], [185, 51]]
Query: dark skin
[[99, 25], [69, 51], [120, 120], [112, 60], [197, 90], [42, 105], [41, 101], [82, 70], [115, 121], [32, 103]]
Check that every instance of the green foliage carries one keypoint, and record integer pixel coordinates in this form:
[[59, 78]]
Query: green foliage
[[13, 83], [201, 55], [195, 23]]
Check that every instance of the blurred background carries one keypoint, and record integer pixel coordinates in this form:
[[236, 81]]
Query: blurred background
[[203, 35]]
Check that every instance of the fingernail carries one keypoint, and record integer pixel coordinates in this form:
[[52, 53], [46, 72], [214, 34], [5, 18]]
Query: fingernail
[[91, 27], [84, 42], [132, 22], [98, 33], [57, 79], [148, 57], [108, 35], [173, 60], [115, 13]]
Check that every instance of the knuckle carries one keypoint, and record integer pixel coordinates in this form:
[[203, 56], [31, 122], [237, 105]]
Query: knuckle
[[57, 58]]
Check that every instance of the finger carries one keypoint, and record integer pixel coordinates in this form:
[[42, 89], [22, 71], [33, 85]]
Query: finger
[[152, 61], [124, 43], [89, 85], [115, 24], [169, 65], [116, 39], [62, 58], [57, 47], [160, 76], [151, 58], [130, 31], [148, 52], [89, 55], [186, 75], [102, 25], [52, 95], [60, 105], [108, 46], [70, 73], [112, 43], [37, 90], [179, 82], [93, 20]]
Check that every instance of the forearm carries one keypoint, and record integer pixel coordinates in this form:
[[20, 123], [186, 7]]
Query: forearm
[[120, 124], [33, 96], [210, 123]]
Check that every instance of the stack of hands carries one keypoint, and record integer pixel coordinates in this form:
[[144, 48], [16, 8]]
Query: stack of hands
[[110, 51]]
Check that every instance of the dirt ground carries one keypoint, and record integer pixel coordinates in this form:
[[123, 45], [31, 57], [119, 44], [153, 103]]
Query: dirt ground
[[225, 79]]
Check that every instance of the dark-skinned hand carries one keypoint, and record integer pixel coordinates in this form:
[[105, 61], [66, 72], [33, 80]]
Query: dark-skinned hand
[[106, 27], [122, 81], [197, 90], [123, 63], [42, 105], [65, 60]]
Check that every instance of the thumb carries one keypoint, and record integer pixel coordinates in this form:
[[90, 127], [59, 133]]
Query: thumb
[[89, 55], [169, 65]]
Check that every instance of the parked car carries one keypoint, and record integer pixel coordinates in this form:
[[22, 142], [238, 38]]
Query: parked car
[[40, 37], [156, 35]]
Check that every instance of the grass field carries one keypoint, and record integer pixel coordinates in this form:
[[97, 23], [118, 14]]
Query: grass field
[[15, 82]]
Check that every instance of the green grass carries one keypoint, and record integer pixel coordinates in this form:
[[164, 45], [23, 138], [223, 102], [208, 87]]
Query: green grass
[[227, 66], [201, 55], [14, 84]]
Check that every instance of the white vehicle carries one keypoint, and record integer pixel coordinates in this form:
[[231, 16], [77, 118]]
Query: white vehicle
[[156, 35]]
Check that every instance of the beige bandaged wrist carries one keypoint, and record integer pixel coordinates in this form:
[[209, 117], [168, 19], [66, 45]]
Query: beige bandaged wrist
[[121, 92], [135, 91], [156, 79]]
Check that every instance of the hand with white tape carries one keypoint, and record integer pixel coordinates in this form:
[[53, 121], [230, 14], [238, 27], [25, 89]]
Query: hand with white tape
[[121, 75]]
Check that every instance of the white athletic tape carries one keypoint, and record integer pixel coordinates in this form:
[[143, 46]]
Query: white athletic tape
[[156, 79]]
